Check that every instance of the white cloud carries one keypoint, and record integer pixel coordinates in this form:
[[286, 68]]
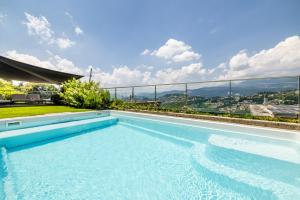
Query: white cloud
[[239, 61], [54, 62], [186, 56], [192, 72], [172, 48], [281, 60], [145, 52], [78, 30], [221, 66], [64, 43], [124, 76], [175, 51], [41, 27]]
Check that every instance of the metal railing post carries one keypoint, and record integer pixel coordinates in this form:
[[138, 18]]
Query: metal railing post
[[186, 94], [155, 97], [230, 97], [298, 99], [115, 93], [132, 94]]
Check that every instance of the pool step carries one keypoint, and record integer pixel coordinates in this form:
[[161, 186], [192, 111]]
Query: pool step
[[20, 137], [280, 152], [160, 135], [196, 134], [284, 171], [260, 187], [47, 119]]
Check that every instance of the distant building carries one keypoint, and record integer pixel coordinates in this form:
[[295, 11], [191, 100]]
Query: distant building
[[287, 111]]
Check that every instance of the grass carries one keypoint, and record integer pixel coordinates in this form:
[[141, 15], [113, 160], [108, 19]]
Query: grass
[[9, 112]]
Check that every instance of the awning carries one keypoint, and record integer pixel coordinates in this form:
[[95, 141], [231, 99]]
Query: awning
[[15, 70]]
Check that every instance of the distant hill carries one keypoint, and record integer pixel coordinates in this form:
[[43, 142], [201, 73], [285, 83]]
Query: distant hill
[[247, 87], [243, 88]]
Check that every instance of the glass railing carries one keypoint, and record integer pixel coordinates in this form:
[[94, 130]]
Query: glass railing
[[271, 97]]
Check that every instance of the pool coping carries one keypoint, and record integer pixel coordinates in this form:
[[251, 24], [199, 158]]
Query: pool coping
[[250, 122], [47, 115]]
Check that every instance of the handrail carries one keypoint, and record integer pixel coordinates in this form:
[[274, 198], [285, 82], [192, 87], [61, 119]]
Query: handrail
[[201, 82]]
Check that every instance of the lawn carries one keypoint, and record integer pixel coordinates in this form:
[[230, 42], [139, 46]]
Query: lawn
[[9, 112]]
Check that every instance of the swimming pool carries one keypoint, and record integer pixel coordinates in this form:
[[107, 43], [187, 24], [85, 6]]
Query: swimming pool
[[137, 156]]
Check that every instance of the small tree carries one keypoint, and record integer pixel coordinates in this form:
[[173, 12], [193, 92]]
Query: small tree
[[84, 95]]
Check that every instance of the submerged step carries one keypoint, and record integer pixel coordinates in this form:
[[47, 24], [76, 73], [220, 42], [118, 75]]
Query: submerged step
[[187, 132], [19, 137], [276, 151], [279, 189], [270, 168], [47, 119], [161, 135]]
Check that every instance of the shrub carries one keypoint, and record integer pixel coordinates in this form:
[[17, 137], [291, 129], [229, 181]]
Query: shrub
[[7, 89], [84, 95], [57, 99]]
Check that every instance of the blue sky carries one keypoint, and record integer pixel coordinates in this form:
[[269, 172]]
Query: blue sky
[[200, 40]]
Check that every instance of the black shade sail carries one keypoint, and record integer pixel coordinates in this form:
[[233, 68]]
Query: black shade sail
[[15, 70]]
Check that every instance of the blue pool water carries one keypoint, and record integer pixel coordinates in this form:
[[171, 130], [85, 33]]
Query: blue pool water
[[133, 158]]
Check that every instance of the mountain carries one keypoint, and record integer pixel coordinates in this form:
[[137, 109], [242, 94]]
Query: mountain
[[247, 88]]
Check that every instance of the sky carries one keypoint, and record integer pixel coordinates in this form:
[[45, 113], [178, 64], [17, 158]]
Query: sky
[[134, 42]]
